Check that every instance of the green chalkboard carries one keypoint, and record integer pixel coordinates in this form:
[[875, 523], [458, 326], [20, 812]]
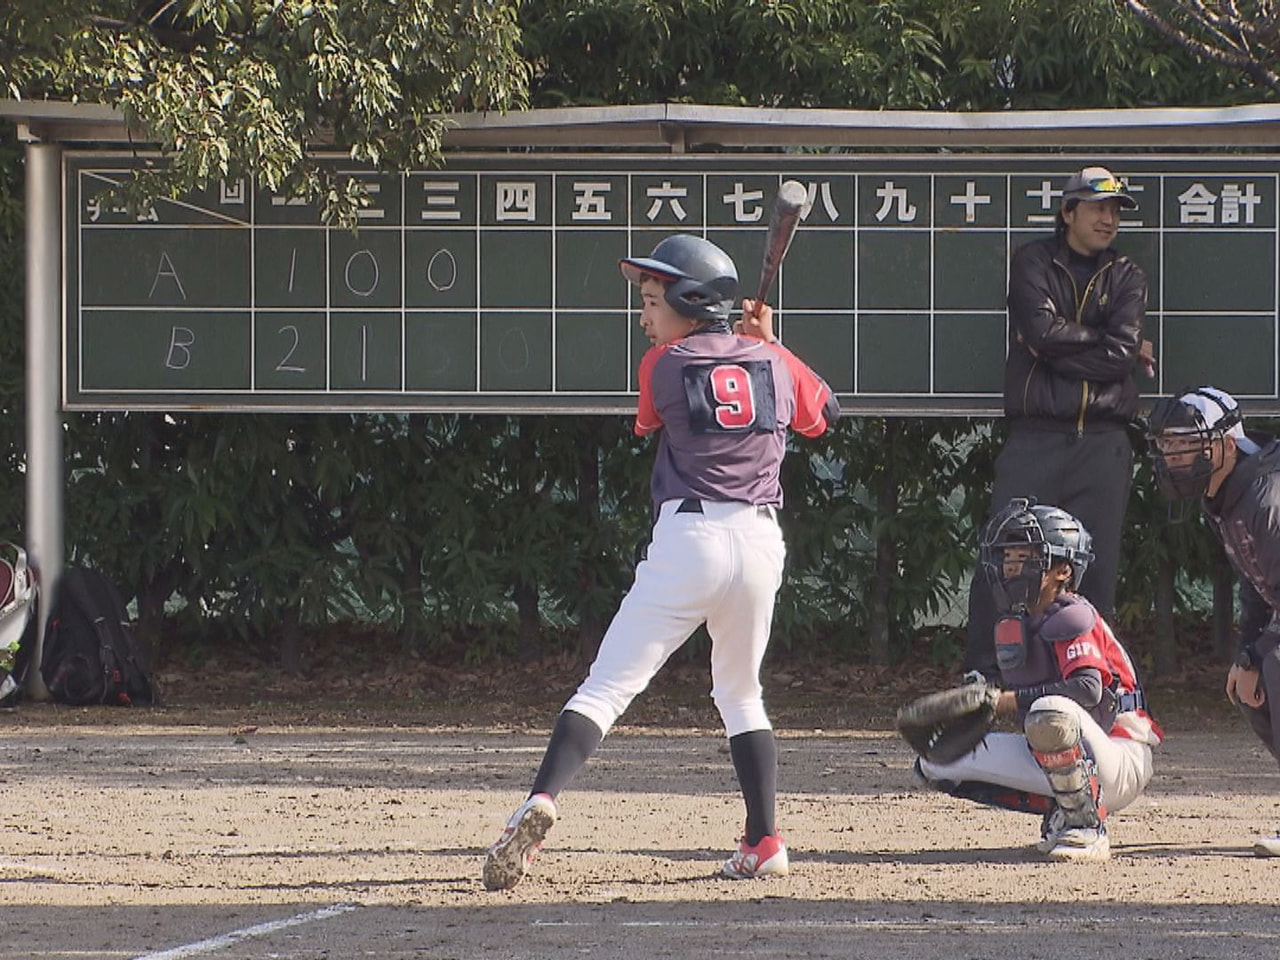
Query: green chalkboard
[[492, 283]]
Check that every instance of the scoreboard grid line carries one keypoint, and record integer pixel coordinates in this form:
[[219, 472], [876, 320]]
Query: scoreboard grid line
[[933, 279], [1246, 314]]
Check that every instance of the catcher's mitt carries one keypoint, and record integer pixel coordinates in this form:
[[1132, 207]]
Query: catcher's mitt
[[942, 727]]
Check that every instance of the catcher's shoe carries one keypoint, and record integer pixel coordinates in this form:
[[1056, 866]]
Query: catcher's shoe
[[509, 859], [921, 780], [918, 777], [1051, 827], [1084, 844], [768, 858], [1267, 847]]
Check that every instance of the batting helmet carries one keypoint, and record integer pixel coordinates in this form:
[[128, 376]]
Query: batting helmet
[[1051, 533], [1182, 437], [701, 280]]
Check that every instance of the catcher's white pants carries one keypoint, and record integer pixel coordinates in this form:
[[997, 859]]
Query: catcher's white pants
[[1124, 766], [722, 567]]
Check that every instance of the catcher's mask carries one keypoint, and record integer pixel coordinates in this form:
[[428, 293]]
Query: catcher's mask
[[1041, 536], [1185, 439], [700, 280]]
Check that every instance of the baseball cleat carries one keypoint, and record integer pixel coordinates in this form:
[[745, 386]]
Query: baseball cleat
[[1051, 827], [921, 780], [509, 859], [1083, 844], [1266, 847], [768, 858]]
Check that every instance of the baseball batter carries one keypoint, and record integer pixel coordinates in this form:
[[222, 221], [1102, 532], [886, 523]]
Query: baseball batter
[[1087, 738], [721, 404]]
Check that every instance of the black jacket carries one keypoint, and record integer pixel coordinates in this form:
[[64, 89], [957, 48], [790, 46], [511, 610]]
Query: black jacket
[[1072, 353], [1245, 514]]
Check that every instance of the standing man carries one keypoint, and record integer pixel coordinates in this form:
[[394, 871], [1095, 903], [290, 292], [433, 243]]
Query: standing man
[[721, 404], [1076, 309], [1199, 450]]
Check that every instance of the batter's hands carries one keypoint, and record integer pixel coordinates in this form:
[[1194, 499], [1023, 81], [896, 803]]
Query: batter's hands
[[1245, 686], [756, 321], [1147, 357]]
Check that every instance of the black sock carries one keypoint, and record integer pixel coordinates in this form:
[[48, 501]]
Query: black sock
[[755, 759], [572, 743]]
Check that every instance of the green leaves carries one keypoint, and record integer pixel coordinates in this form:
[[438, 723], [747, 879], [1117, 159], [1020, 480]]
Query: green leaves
[[798, 53], [230, 89], [434, 524]]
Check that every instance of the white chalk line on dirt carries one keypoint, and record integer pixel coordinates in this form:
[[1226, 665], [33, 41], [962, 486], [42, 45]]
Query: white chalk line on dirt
[[235, 936], [1075, 920]]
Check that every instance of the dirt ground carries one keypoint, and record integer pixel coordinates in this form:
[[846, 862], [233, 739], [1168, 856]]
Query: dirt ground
[[344, 828]]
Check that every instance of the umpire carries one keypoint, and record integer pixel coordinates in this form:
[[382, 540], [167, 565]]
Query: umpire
[[1076, 309], [1200, 450]]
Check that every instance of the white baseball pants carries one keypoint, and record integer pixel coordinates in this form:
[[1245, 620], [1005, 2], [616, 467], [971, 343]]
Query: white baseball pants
[[722, 567], [1124, 766]]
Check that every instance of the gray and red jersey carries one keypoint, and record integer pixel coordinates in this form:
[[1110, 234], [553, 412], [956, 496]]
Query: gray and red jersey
[[1071, 636], [724, 404]]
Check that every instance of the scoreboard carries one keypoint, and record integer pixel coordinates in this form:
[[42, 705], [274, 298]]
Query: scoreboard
[[491, 284]]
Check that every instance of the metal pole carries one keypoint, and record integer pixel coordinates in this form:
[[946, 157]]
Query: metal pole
[[44, 424]]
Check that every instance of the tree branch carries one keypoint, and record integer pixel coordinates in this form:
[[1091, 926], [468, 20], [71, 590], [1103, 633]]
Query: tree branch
[[1227, 54], [1219, 28]]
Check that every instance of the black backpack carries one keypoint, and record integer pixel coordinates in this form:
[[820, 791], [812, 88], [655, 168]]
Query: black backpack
[[89, 651]]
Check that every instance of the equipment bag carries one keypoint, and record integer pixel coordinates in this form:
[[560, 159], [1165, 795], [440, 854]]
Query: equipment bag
[[89, 651]]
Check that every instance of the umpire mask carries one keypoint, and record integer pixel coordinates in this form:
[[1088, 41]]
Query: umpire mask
[[1184, 439]]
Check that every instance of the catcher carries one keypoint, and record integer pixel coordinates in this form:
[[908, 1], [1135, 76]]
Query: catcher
[[1087, 738]]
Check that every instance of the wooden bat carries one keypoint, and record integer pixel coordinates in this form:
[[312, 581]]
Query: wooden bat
[[782, 227]]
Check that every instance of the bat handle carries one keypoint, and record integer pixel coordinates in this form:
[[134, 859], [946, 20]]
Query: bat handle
[[758, 323]]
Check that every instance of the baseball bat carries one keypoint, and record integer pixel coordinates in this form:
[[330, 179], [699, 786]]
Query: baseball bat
[[782, 227]]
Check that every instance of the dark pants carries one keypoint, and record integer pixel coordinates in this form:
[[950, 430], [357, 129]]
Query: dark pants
[[1264, 721], [1088, 476]]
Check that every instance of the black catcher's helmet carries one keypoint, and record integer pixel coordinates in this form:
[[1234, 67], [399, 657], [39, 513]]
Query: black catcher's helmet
[[1182, 438], [701, 280], [1050, 532]]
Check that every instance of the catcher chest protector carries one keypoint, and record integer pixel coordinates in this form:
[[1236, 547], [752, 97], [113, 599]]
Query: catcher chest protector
[[90, 655]]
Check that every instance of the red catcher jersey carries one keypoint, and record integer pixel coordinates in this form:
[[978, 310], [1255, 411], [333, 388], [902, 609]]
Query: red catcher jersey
[[1099, 648], [725, 403]]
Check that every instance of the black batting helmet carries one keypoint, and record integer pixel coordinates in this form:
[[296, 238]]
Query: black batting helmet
[[701, 280]]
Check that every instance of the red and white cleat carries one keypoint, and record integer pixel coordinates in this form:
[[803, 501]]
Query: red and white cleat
[[768, 858]]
